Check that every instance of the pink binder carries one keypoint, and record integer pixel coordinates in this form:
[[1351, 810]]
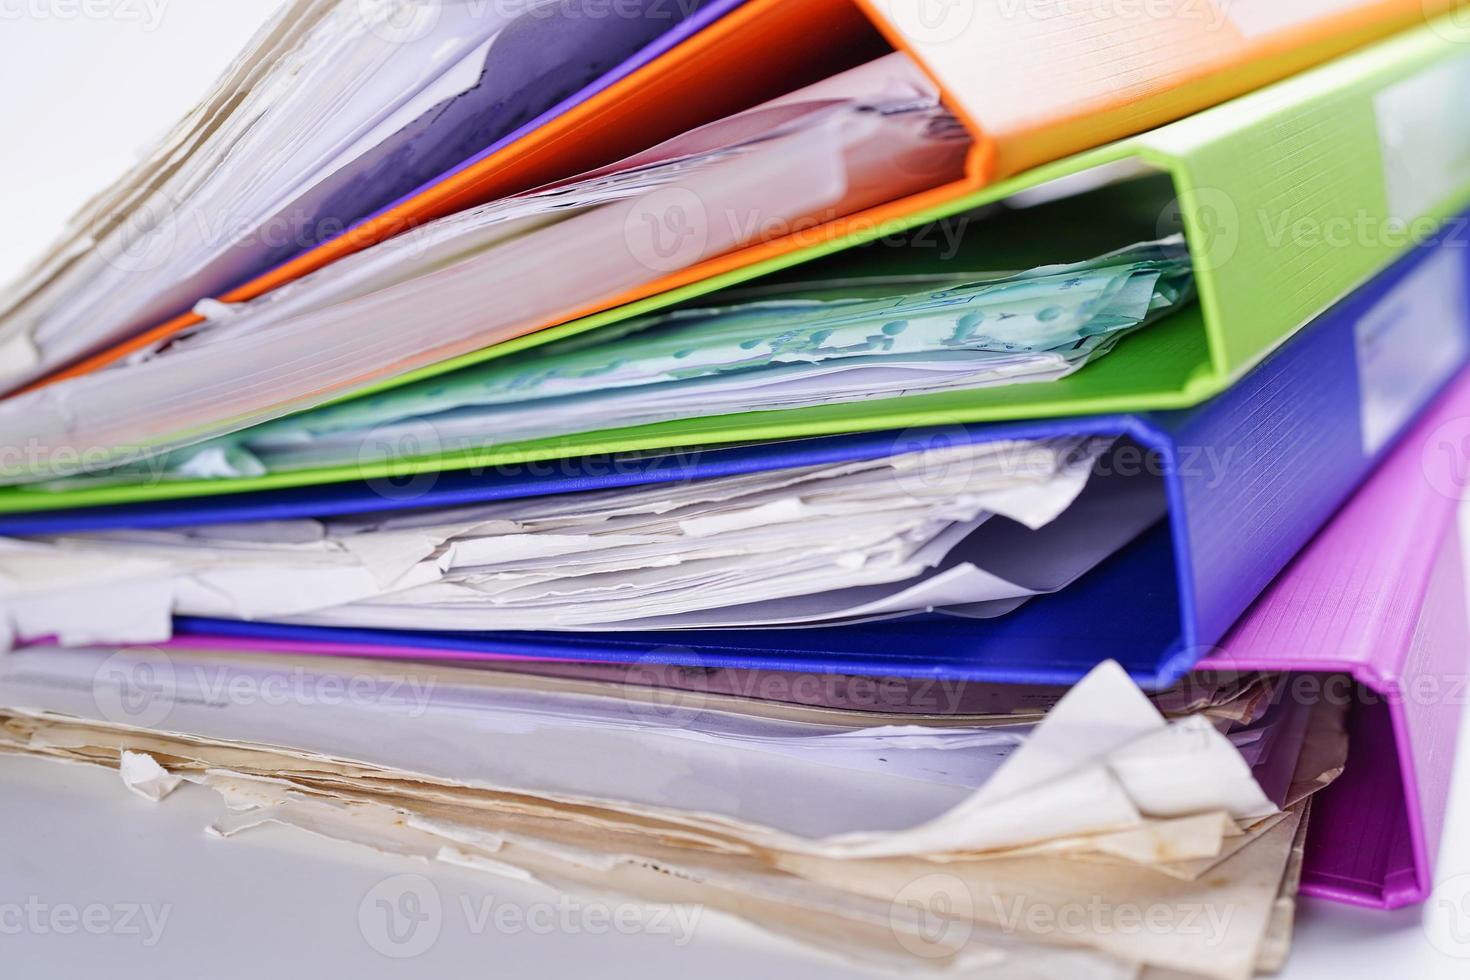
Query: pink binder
[[1379, 595]]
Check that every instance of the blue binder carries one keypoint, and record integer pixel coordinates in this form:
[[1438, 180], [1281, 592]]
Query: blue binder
[[1249, 477]]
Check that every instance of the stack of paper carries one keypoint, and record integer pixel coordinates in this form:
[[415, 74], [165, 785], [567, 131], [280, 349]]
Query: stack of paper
[[783, 347], [925, 848], [817, 544], [335, 110], [698, 474], [490, 273]]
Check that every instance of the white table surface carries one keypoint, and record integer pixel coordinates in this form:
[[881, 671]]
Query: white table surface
[[82, 862]]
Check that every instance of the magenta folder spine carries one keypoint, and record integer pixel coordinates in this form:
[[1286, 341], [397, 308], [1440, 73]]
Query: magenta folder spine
[[1379, 595]]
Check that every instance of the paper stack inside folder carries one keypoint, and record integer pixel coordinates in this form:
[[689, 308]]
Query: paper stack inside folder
[[843, 830], [938, 531], [334, 111], [658, 453], [491, 273]]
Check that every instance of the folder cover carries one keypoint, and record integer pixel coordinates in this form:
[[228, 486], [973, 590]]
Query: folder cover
[[1248, 478], [1290, 197], [1380, 596]]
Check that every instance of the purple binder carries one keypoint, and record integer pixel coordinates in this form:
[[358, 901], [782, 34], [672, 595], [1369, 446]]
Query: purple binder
[[1379, 596]]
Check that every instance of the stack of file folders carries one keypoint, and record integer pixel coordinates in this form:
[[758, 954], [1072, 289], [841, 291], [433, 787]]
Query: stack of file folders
[[873, 472]]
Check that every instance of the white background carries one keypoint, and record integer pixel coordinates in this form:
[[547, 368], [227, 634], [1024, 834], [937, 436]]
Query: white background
[[83, 95]]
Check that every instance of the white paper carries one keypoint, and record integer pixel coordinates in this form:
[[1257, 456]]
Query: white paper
[[304, 112], [143, 775], [809, 544], [482, 277], [1100, 761]]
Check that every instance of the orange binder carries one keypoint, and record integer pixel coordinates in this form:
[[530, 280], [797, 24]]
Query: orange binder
[[1033, 80]]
